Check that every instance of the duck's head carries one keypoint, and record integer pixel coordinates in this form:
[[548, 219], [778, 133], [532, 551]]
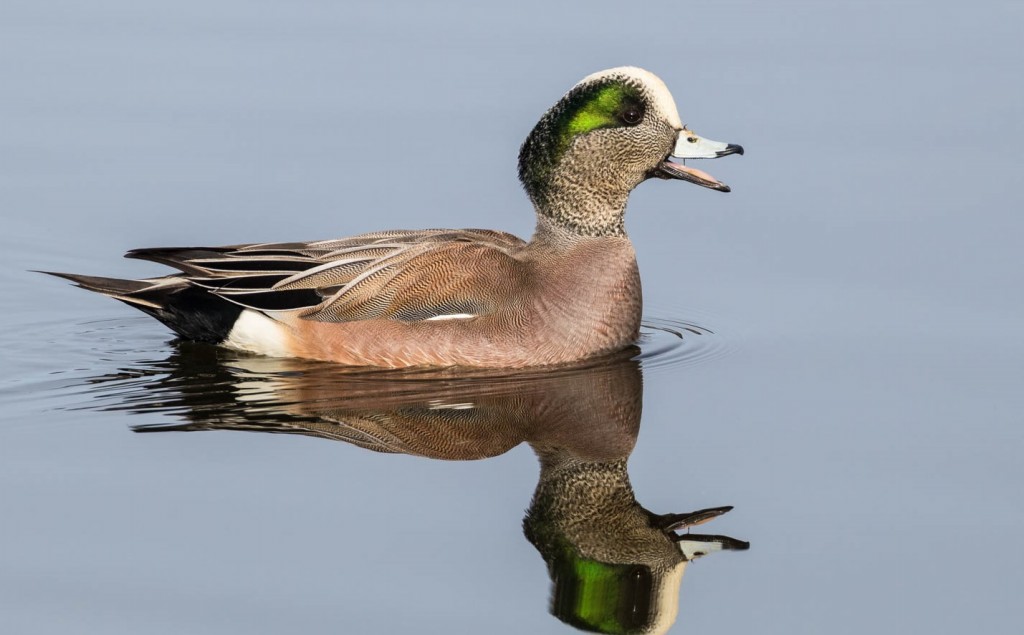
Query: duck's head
[[608, 134]]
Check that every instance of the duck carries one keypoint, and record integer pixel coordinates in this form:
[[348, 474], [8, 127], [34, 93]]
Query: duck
[[465, 297]]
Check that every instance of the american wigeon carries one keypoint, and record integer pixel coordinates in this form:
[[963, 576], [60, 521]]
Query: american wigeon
[[469, 297]]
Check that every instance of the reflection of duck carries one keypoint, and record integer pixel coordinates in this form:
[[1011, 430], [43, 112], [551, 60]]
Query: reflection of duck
[[615, 566], [455, 297]]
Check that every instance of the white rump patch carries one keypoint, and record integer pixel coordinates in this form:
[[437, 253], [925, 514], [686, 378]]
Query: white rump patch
[[451, 316], [257, 333]]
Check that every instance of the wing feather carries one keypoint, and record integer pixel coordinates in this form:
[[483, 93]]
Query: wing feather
[[401, 275]]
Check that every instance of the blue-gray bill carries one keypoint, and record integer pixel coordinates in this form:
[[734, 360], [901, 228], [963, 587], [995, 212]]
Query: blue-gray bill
[[691, 146]]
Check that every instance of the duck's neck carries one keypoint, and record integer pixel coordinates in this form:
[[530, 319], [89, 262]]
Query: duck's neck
[[570, 209]]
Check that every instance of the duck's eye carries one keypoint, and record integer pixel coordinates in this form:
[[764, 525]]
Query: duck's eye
[[631, 116]]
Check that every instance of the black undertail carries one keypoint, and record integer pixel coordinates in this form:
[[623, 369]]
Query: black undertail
[[196, 314]]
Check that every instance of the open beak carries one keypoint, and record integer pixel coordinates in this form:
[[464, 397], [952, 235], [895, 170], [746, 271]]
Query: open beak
[[690, 146]]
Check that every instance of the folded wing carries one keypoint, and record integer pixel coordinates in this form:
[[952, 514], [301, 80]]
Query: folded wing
[[400, 275]]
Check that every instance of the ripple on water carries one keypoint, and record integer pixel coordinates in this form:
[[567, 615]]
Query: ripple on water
[[667, 343], [126, 363]]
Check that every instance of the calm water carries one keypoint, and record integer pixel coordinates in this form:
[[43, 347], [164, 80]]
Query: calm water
[[834, 348]]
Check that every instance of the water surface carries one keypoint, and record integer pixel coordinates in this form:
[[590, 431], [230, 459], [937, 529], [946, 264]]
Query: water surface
[[852, 387]]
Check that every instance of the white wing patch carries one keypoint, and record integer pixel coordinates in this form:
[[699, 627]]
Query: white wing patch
[[439, 405], [450, 316]]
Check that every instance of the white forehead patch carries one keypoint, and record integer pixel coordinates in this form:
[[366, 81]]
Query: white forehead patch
[[656, 90]]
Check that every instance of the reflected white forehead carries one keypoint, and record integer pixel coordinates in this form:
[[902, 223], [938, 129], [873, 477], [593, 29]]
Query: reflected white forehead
[[656, 89]]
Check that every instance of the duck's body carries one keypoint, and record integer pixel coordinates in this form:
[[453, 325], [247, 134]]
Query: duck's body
[[454, 297], [543, 304]]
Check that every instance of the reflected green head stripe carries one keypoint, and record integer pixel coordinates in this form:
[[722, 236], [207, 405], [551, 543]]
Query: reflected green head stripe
[[602, 597], [598, 595]]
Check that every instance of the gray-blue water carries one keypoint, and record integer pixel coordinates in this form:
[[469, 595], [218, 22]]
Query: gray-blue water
[[853, 383]]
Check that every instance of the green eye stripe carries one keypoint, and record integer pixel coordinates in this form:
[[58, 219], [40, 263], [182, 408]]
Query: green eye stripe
[[584, 109], [600, 110]]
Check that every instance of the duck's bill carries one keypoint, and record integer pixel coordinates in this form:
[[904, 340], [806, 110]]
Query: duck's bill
[[670, 170], [669, 522], [694, 546], [692, 146]]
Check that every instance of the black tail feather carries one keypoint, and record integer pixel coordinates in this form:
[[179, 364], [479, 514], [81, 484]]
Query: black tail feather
[[178, 257], [108, 286], [190, 311]]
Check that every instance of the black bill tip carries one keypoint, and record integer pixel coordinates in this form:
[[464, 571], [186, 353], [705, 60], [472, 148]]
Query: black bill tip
[[732, 148]]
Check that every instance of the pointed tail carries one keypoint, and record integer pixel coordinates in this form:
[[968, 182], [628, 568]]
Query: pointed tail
[[190, 311]]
